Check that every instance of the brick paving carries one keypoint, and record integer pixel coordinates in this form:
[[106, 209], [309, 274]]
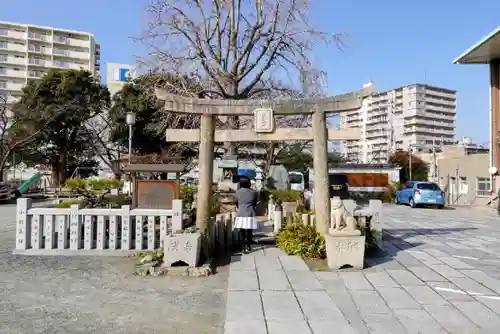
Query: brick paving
[[439, 273]]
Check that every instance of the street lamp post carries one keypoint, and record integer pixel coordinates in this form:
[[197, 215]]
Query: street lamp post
[[130, 120]]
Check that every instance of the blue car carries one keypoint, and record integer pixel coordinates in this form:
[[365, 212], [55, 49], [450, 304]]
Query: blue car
[[417, 193]]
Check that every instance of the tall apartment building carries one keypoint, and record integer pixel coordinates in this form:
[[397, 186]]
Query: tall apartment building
[[28, 51], [418, 115]]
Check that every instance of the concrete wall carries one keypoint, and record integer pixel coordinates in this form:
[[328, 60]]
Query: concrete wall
[[458, 176]]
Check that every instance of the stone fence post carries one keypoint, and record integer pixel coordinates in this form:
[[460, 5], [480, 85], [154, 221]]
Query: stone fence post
[[376, 221], [75, 230], [177, 213], [278, 220], [126, 241], [23, 227], [270, 209]]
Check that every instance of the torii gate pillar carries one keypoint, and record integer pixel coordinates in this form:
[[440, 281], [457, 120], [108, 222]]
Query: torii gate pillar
[[320, 165], [206, 167]]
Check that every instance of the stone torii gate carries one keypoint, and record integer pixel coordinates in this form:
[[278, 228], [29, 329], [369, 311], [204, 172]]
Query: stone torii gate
[[263, 112]]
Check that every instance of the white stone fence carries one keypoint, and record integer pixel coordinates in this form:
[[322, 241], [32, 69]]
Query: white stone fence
[[77, 231]]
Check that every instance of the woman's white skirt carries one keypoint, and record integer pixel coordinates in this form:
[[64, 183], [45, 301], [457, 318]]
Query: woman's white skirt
[[250, 223]]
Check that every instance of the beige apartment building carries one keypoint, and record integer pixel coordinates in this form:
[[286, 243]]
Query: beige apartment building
[[461, 170], [417, 115], [28, 51]]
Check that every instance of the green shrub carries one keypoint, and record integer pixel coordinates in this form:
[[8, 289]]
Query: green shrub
[[187, 194], [95, 192], [67, 204], [93, 186], [116, 201], [287, 195], [304, 241]]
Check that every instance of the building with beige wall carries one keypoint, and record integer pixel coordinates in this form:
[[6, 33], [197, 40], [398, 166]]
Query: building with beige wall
[[487, 51], [461, 171], [28, 51]]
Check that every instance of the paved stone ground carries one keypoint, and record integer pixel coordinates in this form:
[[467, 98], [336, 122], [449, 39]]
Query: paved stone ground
[[439, 273], [100, 295]]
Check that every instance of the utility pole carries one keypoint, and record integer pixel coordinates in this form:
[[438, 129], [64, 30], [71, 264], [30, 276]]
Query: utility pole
[[409, 161], [434, 162]]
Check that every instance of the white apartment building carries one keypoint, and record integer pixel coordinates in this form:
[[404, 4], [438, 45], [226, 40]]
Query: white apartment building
[[28, 51], [418, 115]]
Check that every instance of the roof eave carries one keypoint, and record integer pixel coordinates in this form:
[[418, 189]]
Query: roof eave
[[462, 59]]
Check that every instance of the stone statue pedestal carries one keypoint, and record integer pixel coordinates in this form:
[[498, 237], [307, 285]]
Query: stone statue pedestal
[[345, 250], [182, 247]]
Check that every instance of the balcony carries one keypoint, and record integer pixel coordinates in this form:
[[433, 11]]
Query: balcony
[[12, 47], [10, 86], [71, 54], [377, 120], [440, 93], [450, 112], [440, 101], [4, 59], [8, 72], [430, 122], [38, 49], [39, 37], [379, 140], [35, 74], [12, 34], [377, 111], [68, 65], [71, 41], [428, 132], [37, 61]]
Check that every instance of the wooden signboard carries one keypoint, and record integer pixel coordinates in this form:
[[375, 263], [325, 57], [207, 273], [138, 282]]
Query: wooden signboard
[[156, 194], [367, 181]]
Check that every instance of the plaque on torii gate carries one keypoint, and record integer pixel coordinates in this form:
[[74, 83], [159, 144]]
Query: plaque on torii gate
[[264, 130]]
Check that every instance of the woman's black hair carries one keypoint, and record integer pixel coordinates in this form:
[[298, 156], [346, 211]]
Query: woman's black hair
[[245, 182]]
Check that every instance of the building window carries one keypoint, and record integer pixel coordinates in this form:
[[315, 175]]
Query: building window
[[483, 186], [3, 45]]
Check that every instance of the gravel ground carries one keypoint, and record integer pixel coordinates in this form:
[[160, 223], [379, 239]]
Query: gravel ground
[[100, 295]]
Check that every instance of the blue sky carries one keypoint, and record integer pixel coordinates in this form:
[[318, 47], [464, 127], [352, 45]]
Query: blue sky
[[393, 43]]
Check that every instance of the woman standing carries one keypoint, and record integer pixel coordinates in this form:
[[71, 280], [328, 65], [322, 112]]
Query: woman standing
[[245, 220]]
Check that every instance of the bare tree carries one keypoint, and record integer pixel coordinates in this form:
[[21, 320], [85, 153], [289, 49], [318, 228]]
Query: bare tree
[[236, 46], [97, 131], [9, 142]]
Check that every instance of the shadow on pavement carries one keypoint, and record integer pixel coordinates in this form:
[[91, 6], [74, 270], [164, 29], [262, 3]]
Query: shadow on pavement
[[395, 241]]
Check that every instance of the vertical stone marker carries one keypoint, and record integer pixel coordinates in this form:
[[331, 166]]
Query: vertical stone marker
[[23, 232], [376, 221]]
